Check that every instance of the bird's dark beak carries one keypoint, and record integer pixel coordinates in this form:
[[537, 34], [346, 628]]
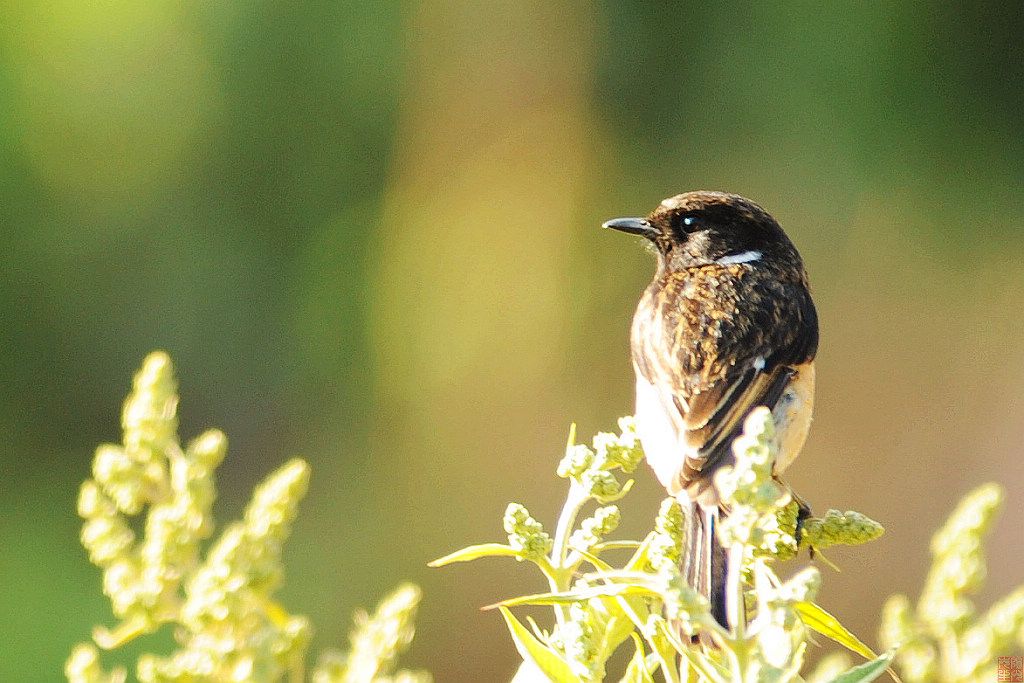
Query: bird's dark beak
[[634, 226]]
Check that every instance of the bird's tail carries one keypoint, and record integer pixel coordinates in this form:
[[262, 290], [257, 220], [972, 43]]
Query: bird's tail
[[705, 561]]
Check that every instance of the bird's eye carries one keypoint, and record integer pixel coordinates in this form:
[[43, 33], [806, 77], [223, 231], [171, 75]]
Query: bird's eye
[[690, 223]]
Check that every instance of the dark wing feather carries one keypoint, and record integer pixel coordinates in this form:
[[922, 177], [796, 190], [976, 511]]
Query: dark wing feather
[[714, 343], [729, 401]]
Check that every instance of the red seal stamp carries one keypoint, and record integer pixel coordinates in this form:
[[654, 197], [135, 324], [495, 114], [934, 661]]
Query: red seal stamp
[[1009, 669]]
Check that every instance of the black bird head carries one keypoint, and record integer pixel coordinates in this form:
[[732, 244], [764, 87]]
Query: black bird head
[[702, 228]]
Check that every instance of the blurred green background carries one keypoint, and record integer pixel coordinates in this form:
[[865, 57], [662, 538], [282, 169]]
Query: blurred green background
[[368, 234]]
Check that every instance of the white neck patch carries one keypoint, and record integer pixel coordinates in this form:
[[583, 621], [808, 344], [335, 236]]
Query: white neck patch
[[742, 257]]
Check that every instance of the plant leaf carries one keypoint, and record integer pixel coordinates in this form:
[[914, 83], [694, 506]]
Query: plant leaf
[[639, 559], [827, 625], [598, 563], [474, 552], [617, 625], [531, 649], [616, 545], [868, 671], [663, 649], [570, 597]]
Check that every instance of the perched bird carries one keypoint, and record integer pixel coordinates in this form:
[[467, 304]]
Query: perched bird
[[726, 325]]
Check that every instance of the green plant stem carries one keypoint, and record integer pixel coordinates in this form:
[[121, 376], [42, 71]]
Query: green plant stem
[[575, 501], [561, 573]]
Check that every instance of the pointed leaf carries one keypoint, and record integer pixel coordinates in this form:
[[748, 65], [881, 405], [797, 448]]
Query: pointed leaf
[[635, 611], [570, 597], [639, 559], [617, 625], [868, 671], [616, 545], [598, 563], [477, 551], [827, 625], [637, 579], [529, 673], [532, 650]]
